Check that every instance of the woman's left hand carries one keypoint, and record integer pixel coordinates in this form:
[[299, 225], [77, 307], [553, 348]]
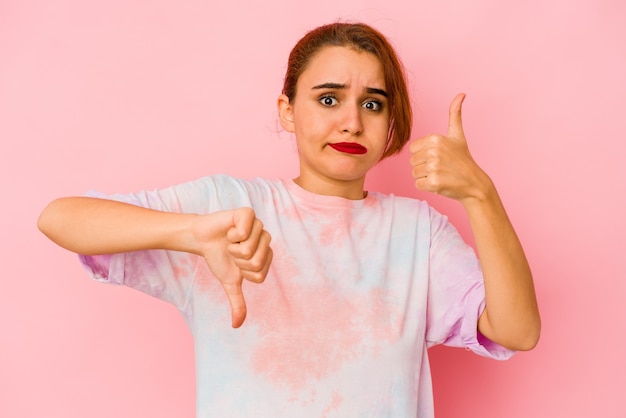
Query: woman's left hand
[[442, 164]]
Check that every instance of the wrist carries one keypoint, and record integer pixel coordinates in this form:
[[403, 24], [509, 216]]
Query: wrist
[[483, 192], [177, 233]]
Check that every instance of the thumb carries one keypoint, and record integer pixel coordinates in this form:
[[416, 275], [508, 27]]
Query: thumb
[[237, 302], [455, 121]]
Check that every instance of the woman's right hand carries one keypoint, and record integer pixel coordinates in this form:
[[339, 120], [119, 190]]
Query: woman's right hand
[[235, 247], [233, 242]]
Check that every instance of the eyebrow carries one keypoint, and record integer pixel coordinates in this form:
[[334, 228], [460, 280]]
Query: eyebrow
[[337, 86]]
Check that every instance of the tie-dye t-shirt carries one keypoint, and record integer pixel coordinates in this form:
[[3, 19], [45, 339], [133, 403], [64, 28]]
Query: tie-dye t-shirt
[[356, 293]]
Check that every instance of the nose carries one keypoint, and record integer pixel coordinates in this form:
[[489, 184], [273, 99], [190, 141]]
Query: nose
[[351, 120]]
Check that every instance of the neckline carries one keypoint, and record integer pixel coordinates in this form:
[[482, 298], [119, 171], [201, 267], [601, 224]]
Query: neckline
[[325, 200]]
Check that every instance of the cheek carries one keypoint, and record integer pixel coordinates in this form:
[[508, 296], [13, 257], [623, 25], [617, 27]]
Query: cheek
[[311, 127], [381, 129], [382, 133]]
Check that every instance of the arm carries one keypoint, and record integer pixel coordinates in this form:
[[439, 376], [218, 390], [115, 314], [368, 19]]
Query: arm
[[443, 164], [233, 243], [511, 316], [93, 226]]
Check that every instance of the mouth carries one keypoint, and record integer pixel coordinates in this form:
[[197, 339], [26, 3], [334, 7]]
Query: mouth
[[349, 147]]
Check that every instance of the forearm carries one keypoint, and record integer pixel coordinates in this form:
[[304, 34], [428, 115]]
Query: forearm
[[96, 226], [511, 317]]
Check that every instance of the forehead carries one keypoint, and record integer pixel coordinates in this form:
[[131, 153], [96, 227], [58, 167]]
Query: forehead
[[343, 65]]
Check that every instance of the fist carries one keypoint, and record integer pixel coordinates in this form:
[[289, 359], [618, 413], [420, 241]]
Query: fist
[[442, 164], [235, 246]]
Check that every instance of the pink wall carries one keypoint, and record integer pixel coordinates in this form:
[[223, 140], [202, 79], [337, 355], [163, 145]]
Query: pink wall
[[124, 95]]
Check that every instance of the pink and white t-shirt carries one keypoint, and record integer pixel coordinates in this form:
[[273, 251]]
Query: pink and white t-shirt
[[357, 292]]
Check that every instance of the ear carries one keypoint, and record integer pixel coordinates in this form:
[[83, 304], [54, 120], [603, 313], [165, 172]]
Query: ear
[[285, 113]]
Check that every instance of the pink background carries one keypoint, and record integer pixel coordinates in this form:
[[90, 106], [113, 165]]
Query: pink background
[[125, 95]]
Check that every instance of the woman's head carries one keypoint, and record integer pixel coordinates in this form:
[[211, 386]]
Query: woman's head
[[362, 38]]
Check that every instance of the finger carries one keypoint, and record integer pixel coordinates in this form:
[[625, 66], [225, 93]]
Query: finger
[[243, 219], [252, 259], [246, 249], [426, 184], [419, 171], [417, 160], [455, 121], [427, 145], [237, 303], [417, 145], [258, 276]]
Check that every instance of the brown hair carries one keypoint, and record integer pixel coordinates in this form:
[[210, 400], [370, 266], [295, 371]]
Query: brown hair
[[367, 39]]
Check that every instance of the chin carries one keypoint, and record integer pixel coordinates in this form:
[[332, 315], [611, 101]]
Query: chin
[[348, 175]]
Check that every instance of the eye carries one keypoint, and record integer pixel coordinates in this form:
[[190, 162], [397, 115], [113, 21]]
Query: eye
[[328, 101], [373, 105]]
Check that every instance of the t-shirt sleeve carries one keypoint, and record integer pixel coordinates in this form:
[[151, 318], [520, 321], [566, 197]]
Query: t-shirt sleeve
[[456, 295], [167, 275]]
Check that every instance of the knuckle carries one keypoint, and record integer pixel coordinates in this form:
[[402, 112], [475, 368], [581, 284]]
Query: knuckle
[[433, 165], [245, 251], [434, 181], [245, 213], [264, 239], [435, 138], [432, 153], [257, 264], [257, 225], [255, 277]]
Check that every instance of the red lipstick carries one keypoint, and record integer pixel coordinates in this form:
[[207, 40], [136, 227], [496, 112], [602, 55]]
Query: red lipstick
[[349, 147]]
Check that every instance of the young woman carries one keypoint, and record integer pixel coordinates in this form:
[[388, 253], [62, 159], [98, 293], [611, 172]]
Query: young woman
[[356, 285]]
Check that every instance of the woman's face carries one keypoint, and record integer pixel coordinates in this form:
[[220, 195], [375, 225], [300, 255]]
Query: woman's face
[[340, 116]]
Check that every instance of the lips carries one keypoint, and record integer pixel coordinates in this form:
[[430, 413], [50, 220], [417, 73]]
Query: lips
[[349, 147]]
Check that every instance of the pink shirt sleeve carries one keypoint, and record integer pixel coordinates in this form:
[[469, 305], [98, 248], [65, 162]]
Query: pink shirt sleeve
[[456, 296]]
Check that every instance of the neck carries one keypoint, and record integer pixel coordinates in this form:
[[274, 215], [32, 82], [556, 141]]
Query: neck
[[349, 189]]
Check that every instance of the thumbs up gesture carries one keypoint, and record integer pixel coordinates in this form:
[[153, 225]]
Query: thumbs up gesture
[[442, 164], [235, 247]]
